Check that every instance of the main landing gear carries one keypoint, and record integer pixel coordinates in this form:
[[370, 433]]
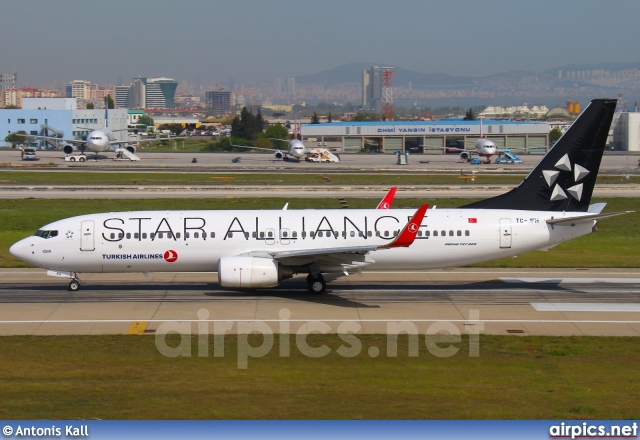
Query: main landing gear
[[316, 284]]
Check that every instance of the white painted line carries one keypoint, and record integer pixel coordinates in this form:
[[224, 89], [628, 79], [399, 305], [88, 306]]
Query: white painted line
[[586, 307], [466, 321], [558, 280]]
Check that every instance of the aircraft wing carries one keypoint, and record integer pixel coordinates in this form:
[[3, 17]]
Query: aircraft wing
[[353, 255], [260, 148], [137, 141], [51, 138]]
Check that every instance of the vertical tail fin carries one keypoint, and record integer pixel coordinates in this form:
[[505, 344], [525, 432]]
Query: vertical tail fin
[[565, 177]]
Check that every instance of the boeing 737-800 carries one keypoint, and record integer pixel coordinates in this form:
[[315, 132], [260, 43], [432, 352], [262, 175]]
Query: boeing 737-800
[[261, 248]]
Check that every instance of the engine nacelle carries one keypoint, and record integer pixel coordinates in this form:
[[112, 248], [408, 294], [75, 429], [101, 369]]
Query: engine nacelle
[[131, 149], [68, 149], [251, 272], [279, 155], [464, 156]]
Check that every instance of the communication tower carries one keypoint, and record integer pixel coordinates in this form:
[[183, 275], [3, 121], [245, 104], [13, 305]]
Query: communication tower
[[387, 93]]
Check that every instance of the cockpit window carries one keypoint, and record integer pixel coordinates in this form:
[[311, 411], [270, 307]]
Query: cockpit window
[[46, 234]]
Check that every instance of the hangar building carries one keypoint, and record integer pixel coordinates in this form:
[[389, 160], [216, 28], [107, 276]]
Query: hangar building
[[425, 137]]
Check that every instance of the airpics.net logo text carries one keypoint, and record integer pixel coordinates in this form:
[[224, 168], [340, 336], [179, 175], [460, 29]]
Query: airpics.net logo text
[[440, 338]]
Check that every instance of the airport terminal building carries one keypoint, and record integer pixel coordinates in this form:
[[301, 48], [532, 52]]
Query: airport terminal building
[[425, 137]]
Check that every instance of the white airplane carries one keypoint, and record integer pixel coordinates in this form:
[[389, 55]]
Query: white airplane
[[260, 248], [97, 141], [296, 150], [482, 147]]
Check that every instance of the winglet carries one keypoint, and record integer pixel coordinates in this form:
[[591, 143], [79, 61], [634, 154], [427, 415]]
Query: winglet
[[387, 200], [409, 232]]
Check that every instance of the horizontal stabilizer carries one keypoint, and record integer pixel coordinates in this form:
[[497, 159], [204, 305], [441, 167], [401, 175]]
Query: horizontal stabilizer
[[578, 218]]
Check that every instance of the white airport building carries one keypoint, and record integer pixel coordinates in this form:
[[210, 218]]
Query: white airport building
[[425, 137], [626, 132]]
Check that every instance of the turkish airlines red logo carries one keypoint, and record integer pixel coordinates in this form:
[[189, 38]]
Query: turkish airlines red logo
[[170, 256], [384, 205], [413, 228], [473, 220]]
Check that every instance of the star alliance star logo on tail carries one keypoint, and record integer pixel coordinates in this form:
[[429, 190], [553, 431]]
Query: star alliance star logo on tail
[[575, 191]]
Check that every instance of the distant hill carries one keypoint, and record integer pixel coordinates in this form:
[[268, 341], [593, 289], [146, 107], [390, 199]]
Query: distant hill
[[352, 73]]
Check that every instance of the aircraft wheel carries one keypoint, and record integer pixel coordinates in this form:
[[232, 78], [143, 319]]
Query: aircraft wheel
[[316, 284], [74, 285]]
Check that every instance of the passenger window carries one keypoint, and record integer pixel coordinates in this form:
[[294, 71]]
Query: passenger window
[[450, 233], [435, 233], [377, 233], [386, 233], [369, 233], [128, 235], [269, 234], [419, 233], [229, 235], [160, 235], [466, 233], [253, 235], [152, 236], [312, 234], [212, 235], [136, 235], [304, 234], [169, 235], [443, 233], [353, 234], [177, 235], [144, 235], [196, 235], [246, 235], [427, 233], [187, 235], [459, 233], [344, 234], [262, 235], [113, 236], [285, 234], [294, 234]]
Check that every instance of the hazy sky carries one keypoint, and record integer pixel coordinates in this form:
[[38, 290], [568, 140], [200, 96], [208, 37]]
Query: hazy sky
[[53, 42]]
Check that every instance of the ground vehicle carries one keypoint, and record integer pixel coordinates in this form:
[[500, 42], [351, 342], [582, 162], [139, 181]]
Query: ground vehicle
[[29, 154], [75, 158]]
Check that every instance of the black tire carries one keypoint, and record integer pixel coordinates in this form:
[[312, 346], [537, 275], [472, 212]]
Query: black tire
[[316, 285], [81, 159], [72, 159], [74, 285]]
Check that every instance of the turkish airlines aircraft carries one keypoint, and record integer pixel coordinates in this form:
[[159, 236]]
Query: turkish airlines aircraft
[[260, 248]]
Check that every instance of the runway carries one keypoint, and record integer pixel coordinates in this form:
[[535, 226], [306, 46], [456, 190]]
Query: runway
[[603, 302]]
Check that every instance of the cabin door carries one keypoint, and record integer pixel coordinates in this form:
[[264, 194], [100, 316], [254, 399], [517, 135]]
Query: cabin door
[[87, 239], [505, 233]]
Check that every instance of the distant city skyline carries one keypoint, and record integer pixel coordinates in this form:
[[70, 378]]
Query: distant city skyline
[[251, 41]]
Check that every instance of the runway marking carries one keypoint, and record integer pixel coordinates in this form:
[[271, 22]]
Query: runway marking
[[551, 280], [465, 321], [137, 327], [586, 307]]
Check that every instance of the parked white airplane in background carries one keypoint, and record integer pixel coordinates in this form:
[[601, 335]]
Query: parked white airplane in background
[[261, 248], [296, 150], [97, 141]]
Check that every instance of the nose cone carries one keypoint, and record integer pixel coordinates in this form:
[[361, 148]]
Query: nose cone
[[21, 250]]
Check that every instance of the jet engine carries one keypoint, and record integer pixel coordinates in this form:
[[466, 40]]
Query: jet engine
[[251, 272], [131, 149], [464, 156], [279, 155], [68, 149]]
